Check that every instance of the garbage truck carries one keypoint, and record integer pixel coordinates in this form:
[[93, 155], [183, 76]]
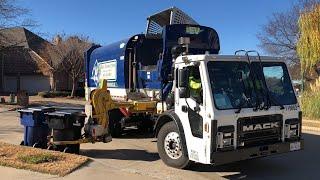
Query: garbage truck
[[202, 107]]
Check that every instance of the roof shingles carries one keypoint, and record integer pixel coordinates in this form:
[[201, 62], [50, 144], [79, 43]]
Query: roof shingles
[[24, 52]]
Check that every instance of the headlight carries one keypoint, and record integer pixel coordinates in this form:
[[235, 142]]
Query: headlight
[[293, 133], [292, 128], [227, 142], [225, 137]]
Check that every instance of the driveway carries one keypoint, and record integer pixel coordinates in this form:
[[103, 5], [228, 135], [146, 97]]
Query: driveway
[[134, 156]]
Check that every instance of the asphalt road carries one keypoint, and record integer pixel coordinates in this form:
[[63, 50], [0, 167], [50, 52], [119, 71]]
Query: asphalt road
[[135, 157]]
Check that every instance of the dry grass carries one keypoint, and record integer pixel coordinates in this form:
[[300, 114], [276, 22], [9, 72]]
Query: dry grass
[[39, 160], [310, 105]]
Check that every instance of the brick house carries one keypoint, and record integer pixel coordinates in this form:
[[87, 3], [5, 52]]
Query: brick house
[[25, 63]]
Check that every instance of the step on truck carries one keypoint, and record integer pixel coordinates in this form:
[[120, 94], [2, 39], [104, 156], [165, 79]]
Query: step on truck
[[203, 107]]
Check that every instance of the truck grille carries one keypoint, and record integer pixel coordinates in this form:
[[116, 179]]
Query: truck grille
[[260, 130]]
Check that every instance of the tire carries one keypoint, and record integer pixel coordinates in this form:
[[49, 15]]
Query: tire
[[36, 145], [179, 159], [67, 150], [75, 148], [116, 130], [72, 149], [60, 148], [115, 117]]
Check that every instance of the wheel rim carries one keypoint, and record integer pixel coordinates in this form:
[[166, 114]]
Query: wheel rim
[[172, 145], [36, 145], [66, 150]]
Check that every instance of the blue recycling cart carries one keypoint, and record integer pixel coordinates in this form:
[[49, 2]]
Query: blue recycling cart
[[36, 130]]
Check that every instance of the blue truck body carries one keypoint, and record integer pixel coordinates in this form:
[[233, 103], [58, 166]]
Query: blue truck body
[[143, 63]]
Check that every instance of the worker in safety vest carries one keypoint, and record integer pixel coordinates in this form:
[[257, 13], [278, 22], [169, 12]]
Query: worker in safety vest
[[195, 85]]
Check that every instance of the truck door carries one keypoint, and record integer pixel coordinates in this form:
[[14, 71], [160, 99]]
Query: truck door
[[189, 106]]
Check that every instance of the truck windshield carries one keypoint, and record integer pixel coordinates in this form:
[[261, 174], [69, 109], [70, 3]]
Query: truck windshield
[[278, 82], [231, 84]]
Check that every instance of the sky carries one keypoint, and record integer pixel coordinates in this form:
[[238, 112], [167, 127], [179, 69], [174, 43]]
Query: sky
[[104, 21]]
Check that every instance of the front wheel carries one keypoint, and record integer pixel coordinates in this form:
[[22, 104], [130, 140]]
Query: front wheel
[[170, 146]]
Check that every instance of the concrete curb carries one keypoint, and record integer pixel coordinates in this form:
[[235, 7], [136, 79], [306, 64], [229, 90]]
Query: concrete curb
[[310, 125], [308, 128]]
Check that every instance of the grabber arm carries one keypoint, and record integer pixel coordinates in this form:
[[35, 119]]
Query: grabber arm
[[102, 103]]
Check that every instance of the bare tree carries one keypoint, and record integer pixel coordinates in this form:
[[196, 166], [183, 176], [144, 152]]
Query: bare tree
[[67, 56], [280, 35], [13, 15], [52, 54]]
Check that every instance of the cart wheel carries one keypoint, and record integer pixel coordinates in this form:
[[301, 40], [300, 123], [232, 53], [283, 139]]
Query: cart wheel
[[67, 150], [107, 138], [76, 149], [50, 147], [22, 143], [115, 117], [36, 145]]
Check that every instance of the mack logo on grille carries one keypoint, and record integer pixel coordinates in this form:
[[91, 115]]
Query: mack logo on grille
[[254, 127]]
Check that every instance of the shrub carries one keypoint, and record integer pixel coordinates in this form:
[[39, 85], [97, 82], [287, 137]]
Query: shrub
[[44, 94], [52, 94], [310, 105], [61, 93]]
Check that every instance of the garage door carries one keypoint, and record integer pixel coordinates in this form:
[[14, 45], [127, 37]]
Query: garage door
[[10, 84], [32, 84]]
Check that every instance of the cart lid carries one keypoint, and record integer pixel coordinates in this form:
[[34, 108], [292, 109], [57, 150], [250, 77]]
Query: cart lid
[[66, 112], [37, 109]]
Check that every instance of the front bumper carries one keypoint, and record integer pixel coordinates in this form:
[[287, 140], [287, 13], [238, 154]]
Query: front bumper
[[225, 157]]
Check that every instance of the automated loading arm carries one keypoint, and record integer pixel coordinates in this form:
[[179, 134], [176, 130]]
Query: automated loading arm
[[100, 105]]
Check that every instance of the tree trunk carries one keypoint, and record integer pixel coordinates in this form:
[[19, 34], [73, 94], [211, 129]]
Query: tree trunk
[[53, 82], [74, 85]]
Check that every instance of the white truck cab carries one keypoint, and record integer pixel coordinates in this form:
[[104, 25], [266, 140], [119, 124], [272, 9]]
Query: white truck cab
[[246, 108]]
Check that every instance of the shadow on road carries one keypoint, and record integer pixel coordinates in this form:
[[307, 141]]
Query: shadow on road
[[296, 165], [122, 154], [134, 133]]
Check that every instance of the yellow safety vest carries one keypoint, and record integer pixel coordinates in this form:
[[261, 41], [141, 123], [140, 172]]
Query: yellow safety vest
[[195, 86]]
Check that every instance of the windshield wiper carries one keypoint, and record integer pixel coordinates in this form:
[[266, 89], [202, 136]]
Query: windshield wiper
[[246, 99], [265, 90]]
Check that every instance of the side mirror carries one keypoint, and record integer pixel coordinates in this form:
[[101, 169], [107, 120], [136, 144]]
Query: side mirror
[[184, 92], [183, 83]]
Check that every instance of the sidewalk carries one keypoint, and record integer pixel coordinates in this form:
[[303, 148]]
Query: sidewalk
[[4, 109], [93, 170]]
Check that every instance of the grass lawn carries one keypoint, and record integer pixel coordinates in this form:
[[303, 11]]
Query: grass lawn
[[39, 160]]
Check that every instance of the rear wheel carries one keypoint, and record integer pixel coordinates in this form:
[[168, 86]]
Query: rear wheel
[[170, 146], [115, 117]]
